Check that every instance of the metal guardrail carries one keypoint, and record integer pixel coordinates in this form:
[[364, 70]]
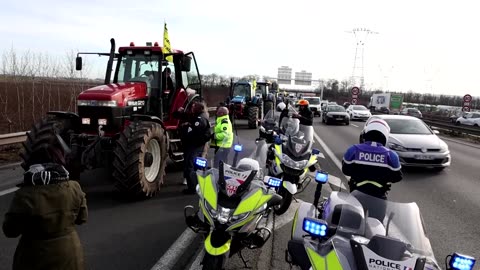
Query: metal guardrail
[[12, 138], [453, 127]]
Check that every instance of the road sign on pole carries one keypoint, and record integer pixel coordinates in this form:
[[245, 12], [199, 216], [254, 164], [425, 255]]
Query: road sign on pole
[[354, 101], [355, 91], [467, 99], [354, 96]]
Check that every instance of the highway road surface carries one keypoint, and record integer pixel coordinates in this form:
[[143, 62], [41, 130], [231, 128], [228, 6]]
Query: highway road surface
[[151, 234]]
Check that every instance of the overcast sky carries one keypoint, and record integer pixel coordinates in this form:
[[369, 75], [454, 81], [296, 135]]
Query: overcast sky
[[427, 46]]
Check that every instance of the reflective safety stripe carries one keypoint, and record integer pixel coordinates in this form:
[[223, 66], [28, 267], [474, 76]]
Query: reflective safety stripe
[[313, 159], [330, 262], [278, 149], [208, 190], [216, 251], [369, 182], [252, 202], [294, 223], [240, 224]]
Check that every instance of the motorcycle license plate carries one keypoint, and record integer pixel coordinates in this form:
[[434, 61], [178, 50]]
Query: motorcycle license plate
[[422, 157]]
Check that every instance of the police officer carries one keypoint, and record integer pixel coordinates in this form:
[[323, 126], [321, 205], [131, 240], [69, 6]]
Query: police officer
[[305, 115], [223, 136], [372, 166], [195, 133]]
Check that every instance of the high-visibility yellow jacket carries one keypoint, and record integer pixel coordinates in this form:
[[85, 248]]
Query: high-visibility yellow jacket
[[223, 132]]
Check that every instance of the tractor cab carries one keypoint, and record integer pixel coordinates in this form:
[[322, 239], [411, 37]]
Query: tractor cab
[[242, 92], [145, 82]]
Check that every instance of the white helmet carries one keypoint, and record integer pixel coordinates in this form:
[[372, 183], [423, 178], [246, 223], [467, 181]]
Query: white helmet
[[376, 126], [281, 106]]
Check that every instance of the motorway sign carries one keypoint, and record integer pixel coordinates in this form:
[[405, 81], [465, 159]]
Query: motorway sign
[[354, 101]]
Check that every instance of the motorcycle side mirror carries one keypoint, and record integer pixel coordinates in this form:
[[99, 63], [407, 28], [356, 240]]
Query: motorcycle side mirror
[[460, 262], [272, 181], [315, 227], [201, 163], [321, 177]]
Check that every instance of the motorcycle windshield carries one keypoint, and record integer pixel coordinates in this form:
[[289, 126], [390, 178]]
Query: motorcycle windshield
[[290, 126], [269, 120], [367, 216]]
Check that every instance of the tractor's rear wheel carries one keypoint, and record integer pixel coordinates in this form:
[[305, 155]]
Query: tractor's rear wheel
[[269, 106], [41, 133], [140, 159], [252, 117]]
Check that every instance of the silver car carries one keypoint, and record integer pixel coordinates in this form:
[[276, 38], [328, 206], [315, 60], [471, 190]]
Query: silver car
[[415, 142]]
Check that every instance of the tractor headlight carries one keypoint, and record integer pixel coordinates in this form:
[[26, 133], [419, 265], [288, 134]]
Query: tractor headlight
[[102, 103]]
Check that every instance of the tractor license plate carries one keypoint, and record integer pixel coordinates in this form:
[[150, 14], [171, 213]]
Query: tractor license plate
[[422, 157]]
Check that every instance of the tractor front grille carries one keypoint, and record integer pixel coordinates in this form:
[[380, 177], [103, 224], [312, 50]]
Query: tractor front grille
[[94, 113]]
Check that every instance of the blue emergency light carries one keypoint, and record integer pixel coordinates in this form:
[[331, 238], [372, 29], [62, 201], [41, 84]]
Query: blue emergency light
[[315, 151], [315, 227], [462, 262], [238, 148], [321, 177], [274, 182], [201, 162]]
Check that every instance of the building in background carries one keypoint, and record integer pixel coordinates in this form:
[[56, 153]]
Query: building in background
[[303, 78], [284, 75]]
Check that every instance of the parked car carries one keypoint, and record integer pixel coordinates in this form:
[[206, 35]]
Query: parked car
[[346, 104], [358, 112], [415, 142], [411, 112], [335, 114], [469, 119]]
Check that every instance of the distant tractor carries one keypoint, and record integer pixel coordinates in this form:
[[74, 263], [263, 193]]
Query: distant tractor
[[126, 125], [245, 102]]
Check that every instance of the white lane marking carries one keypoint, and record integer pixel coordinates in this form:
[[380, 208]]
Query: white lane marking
[[331, 155], [354, 125], [176, 250], [7, 191]]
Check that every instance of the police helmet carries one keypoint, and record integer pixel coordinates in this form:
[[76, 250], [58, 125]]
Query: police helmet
[[377, 130]]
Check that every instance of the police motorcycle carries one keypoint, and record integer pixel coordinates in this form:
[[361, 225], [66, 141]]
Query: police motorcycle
[[357, 231], [268, 128], [233, 200], [291, 158]]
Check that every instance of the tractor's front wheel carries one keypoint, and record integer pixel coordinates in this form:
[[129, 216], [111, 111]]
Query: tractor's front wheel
[[253, 117], [140, 159], [40, 135]]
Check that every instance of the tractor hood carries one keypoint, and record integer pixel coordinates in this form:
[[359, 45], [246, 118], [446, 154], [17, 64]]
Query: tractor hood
[[238, 99], [119, 92]]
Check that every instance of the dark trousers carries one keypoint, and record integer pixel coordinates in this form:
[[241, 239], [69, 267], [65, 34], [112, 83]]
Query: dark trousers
[[221, 154], [189, 173]]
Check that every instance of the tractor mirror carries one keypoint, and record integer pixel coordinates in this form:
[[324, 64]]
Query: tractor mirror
[[186, 63], [78, 63]]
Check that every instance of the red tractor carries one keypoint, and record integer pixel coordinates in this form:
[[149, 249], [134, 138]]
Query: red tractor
[[127, 125]]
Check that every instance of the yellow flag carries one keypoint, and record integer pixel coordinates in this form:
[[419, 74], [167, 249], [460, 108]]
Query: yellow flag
[[166, 44], [254, 84]]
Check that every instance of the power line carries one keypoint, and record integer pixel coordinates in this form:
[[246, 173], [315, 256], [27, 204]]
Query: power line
[[358, 76]]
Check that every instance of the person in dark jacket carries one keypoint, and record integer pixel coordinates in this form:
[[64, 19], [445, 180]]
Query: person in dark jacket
[[372, 166], [44, 212], [305, 115], [195, 133]]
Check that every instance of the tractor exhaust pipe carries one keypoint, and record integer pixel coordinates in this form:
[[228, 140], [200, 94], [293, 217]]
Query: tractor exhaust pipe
[[108, 74]]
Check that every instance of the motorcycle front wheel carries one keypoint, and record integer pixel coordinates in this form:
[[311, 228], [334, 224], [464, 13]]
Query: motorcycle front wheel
[[285, 203], [213, 262]]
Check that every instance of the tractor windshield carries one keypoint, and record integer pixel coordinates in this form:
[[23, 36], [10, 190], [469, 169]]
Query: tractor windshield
[[139, 68], [242, 90]]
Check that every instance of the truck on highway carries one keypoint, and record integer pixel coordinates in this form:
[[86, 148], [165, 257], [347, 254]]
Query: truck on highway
[[392, 102]]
